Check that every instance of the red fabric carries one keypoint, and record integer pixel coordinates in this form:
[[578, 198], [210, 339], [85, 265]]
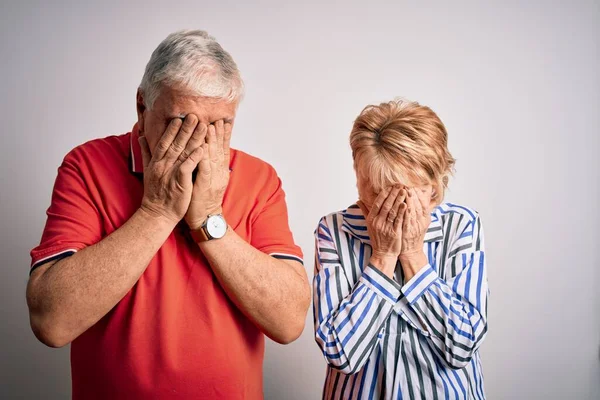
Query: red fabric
[[176, 334]]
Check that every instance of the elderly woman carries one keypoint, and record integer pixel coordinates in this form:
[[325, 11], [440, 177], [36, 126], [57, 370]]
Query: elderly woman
[[400, 287]]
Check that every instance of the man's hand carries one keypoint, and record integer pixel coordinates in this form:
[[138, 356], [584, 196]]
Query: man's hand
[[416, 222], [384, 226], [213, 176], [168, 170]]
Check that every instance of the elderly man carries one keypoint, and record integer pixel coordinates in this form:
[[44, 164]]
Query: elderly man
[[166, 256]]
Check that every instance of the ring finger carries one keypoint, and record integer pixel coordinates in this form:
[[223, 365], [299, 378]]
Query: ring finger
[[387, 210], [196, 140], [400, 207], [179, 144]]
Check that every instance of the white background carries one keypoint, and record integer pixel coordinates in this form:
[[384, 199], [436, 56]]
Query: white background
[[517, 85]]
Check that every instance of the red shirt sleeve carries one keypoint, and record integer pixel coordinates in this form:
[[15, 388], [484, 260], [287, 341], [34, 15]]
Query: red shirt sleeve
[[73, 221], [270, 229]]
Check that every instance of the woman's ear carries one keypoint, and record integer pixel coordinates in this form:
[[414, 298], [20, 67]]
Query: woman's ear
[[436, 195]]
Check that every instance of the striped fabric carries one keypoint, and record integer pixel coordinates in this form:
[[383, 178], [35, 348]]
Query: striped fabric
[[415, 340]]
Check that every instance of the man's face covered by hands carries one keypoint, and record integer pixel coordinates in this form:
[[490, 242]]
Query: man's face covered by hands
[[176, 103]]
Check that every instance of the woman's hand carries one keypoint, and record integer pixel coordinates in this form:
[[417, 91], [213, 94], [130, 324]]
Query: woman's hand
[[416, 222], [384, 226]]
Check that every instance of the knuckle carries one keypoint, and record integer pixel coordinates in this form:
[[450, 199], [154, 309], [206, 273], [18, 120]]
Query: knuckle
[[162, 146], [177, 147]]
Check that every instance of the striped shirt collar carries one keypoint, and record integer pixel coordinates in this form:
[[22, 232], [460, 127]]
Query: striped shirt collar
[[355, 224]]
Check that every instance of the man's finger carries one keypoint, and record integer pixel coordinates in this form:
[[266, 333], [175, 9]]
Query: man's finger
[[204, 168], [211, 140], [220, 131], [167, 138], [196, 140], [226, 143], [189, 164], [180, 142]]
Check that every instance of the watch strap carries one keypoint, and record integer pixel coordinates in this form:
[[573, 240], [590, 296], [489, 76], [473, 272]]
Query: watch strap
[[200, 235]]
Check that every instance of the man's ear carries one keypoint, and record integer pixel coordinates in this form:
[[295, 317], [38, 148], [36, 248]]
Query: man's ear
[[141, 110]]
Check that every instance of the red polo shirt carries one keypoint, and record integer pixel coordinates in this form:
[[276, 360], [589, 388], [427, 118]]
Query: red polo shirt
[[176, 334]]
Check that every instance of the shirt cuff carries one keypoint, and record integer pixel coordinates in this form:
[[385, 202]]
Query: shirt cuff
[[381, 284], [287, 256], [414, 288]]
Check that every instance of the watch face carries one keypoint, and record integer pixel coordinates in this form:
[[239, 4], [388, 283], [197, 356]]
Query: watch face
[[216, 226]]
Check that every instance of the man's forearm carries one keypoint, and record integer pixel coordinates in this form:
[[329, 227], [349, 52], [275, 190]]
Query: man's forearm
[[68, 297], [274, 294]]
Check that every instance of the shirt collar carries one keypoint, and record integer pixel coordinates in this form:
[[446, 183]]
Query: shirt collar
[[136, 163], [353, 222]]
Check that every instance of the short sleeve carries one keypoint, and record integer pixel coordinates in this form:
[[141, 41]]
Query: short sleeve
[[270, 229], [73, 221]]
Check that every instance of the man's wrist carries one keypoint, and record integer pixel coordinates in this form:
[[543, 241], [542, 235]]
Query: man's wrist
[[212, 243], [156, 219], [200, 221]]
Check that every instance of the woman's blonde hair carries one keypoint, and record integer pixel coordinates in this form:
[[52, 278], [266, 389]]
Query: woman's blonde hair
[[401, 142]]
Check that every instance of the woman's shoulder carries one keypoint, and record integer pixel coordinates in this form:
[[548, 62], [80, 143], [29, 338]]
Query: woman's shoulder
[[455, 218], [352, 212], [455, 210]]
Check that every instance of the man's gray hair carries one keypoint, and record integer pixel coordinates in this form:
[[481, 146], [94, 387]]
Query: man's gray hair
[[195, 60]]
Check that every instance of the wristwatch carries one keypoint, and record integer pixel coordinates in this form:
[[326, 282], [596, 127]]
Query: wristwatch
[[214, 227]]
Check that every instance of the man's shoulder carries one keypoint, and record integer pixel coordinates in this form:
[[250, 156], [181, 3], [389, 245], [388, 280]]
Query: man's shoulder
[[104, 150], [251, 168], [245, 160]]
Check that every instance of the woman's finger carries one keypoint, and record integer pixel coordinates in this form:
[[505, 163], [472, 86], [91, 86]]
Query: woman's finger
[[410, 207], [416, 202], [407, 220], [379, 202], [424, 208], [399, 221], [400, 198], [388, 213]]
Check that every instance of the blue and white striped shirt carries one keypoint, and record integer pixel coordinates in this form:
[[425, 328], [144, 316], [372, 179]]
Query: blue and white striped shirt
[[415, 340]]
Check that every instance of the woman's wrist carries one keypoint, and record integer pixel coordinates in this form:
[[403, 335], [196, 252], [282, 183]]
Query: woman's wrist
[[412, 263], [386, 263]]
